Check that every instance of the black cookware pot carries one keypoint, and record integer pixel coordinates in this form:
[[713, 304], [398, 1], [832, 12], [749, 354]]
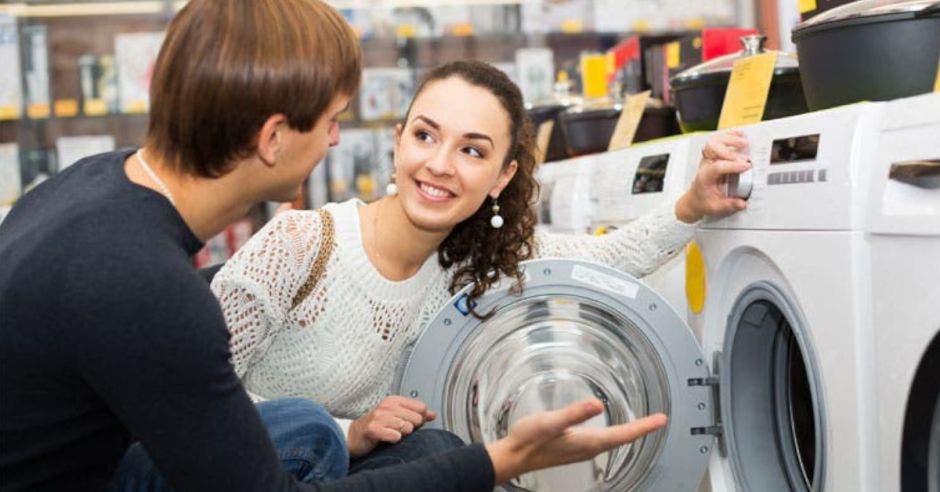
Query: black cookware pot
[[556, 143], [699, 92], [589, 126], [870, 50]]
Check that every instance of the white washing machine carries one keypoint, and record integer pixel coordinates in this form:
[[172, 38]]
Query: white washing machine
[[564, 195], [778, 298], [627, 184], [904, 232]]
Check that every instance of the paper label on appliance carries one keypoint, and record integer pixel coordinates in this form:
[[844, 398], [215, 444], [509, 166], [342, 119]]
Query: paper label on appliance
[[629, 121], [542, 140], [747, 91], [10, 185], [604, 281], [806, 6]]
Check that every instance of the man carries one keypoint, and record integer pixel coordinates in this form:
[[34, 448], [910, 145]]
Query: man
[[109, 336]]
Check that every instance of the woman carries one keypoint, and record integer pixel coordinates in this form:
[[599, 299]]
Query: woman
[[463, 213]]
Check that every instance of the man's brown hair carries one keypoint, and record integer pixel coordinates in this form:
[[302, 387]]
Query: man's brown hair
[[228, 65]]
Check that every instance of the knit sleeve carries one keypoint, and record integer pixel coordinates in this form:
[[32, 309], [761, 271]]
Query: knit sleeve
[[638, 247], [256, 286]]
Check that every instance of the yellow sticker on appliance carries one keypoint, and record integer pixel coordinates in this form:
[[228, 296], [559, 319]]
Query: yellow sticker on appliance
[[746, 95], [806, 6], [629, 121], [696, 288]]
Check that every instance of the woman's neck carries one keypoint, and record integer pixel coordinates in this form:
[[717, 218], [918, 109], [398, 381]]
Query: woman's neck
[[394, 244]]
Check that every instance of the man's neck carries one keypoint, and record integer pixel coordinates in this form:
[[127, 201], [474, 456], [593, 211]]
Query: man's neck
[[207, 205]]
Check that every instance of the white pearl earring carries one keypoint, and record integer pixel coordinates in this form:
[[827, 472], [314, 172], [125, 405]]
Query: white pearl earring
[[496, 220], [391, 189]]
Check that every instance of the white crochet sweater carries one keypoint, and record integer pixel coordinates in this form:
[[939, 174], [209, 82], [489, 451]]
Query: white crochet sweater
[[342, 345]]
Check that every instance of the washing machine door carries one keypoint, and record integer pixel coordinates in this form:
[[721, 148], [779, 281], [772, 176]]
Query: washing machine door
[[577, 330]]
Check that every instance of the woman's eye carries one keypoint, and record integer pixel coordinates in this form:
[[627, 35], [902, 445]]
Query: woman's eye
[[473, 152], [423, 135]]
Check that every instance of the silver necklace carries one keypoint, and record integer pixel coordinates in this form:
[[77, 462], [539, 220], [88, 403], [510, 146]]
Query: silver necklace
[[154, 177]]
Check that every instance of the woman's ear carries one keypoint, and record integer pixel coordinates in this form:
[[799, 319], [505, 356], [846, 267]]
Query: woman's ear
[[271, 138], [505, 176], [398, 129]]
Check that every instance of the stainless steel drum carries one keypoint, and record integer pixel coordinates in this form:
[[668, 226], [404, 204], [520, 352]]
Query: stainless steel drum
[[577, 330]]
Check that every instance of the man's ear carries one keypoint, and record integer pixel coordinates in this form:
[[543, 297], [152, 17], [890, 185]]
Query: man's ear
[[271, 138]]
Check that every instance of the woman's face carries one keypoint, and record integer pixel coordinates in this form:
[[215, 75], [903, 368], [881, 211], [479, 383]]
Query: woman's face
[[449, 154]]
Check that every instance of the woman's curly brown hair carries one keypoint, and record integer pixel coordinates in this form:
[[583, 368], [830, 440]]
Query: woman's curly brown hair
[[484, 254]]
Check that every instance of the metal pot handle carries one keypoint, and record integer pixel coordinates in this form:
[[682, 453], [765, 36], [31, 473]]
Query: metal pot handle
[[929, 11]]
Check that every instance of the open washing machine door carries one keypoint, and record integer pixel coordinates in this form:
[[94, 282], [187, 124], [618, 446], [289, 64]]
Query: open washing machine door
[[577, 330]]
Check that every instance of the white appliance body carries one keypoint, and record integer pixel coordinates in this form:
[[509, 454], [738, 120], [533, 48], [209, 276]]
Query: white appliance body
[[629, 183], [904, 232], [784, 318]]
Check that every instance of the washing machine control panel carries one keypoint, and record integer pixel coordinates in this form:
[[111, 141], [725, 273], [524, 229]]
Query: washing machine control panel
[[631, 182], [809, 172]]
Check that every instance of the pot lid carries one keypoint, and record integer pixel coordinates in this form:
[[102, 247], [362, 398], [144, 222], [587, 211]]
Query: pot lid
[[609, 104], [753, 45], [598, 104], [863, 9]]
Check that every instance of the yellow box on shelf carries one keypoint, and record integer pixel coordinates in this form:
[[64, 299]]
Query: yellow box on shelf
[[95, 107], [9, 112], [572, 26], [594, 75], [136, 107], [641, 26], [406, 31], [38, 111], [65, 108], [806, 5], [694, 23], [673, 54], [462, 29]]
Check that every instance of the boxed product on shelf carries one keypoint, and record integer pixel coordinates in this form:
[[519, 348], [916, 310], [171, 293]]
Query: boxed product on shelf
[[535, 73], [11, 95], [360, 165], [134, 56], [71, 149], [222, 246], [385, 93], [98, 82], [36, 70], [10, 182]]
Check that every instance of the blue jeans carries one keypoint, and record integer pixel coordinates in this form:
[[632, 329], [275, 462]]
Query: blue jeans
[[421, 443], [311, 446]]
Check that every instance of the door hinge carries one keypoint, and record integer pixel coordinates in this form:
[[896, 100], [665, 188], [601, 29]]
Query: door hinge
[[716, 429]]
